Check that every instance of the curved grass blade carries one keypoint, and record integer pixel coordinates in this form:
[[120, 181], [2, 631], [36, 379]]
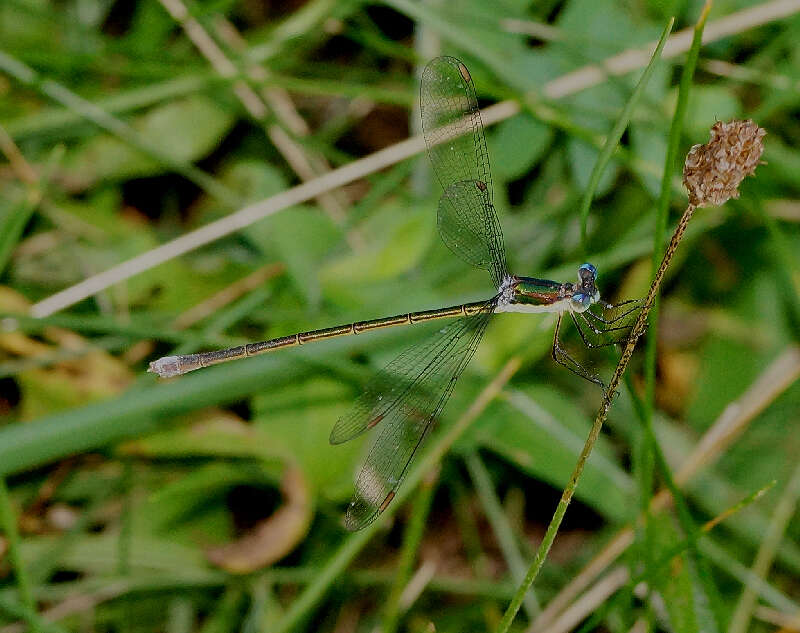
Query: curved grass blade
[[613, 138]]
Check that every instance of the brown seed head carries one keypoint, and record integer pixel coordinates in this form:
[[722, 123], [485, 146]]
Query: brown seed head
[[713, 171]]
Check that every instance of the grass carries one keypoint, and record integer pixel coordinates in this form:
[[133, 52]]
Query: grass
[[122, 140]]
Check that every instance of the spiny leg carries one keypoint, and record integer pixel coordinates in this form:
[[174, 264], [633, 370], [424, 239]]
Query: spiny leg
[[562, 357], [634, 304], [600, 327], [604, 336]]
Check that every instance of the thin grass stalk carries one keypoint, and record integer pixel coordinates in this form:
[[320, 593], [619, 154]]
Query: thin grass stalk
[[501, 527], [743, 574], [662, 214], [600, 418], [412, 539], [259, 108], [309, 18], [784, 510], [712, 174], [35, 190], [225, 616], [469, 534], [125, 536], [594, 433], [92, 112], [690, 528], [648, 447], [763, 391], [8, 521], [613, 138], [630, 583]]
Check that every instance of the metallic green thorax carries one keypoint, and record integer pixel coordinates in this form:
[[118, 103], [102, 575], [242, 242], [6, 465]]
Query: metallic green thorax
[[538, 292]]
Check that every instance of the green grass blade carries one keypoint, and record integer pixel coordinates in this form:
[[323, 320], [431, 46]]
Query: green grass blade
[[785, 509], [501, 527], [665, 195], [412, 539], [649, 448], [18, 216], [612, 140], [8, 521], [91, 112]]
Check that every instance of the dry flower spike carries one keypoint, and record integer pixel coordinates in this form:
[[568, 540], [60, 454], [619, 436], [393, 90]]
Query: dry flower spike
[[713, 171]]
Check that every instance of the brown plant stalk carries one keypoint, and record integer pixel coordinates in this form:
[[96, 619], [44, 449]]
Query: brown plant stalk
[[711, 174]]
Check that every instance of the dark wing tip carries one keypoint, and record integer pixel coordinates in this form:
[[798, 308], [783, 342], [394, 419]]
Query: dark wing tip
[[431, 68], [343, 432], [338, 435], [360, 513]]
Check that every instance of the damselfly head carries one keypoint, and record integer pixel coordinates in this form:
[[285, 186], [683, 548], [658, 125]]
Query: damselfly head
[[586, 293], [587, 273]]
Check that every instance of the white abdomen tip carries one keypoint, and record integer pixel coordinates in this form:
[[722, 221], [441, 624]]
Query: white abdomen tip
[[166, 367]]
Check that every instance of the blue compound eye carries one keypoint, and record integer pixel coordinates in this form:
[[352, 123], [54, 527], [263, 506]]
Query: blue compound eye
[[581, 301], [589, 267]]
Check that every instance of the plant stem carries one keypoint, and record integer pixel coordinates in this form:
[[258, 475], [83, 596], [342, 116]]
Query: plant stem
[[613, 138], [411, 543], [8, 521], [648, 447], [638, 329], [503, 532], [784, 510]]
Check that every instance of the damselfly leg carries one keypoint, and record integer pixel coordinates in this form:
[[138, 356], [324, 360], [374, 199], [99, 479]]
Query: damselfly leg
[[613, 327], [563, 357], [615, 312]]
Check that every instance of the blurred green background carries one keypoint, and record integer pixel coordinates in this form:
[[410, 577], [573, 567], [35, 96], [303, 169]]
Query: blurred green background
[[213, 502]]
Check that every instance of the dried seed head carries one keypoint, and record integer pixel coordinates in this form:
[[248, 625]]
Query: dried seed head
[[713, 171]]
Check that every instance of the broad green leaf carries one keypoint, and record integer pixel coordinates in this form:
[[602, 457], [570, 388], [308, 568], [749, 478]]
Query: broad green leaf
[[585, 19], [687, 604], [398, 252], [519, 143], [298, 420], [186, 129], [706, 106], [542, 433], [302, 238], [98, 554]]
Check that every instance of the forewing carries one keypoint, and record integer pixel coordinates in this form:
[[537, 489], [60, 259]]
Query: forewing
[[416, 387], [451, 124], [465, 232]]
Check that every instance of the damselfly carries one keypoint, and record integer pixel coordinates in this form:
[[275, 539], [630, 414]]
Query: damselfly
[[404, 400]]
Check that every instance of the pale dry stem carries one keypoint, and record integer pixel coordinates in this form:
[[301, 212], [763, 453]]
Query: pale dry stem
[[565, 85]]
